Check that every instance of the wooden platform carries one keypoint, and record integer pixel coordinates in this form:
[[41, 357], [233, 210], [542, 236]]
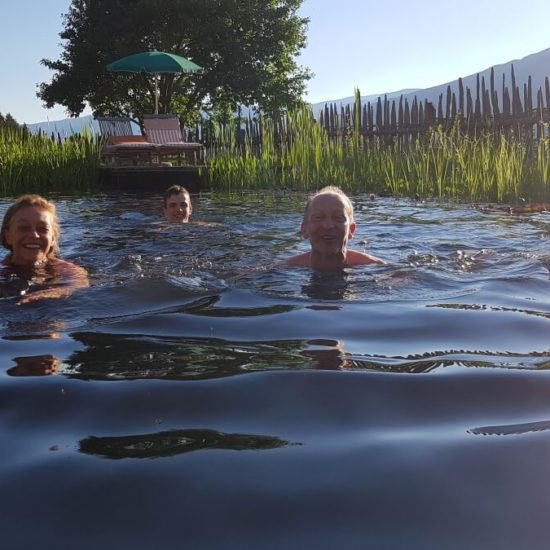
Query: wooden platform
[[156, 178], [138, 164]]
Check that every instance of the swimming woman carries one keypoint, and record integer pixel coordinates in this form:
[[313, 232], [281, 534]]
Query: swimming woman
[[30, 231], [329, 224]]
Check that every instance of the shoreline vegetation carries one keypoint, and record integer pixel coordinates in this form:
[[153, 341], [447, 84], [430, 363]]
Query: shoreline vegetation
[[297, 153], [32, 163]]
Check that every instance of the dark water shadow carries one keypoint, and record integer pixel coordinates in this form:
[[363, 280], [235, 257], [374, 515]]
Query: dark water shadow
[[512, 429], [175, 442]]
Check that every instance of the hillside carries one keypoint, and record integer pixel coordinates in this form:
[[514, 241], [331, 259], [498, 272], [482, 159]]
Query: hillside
[[536, 65]]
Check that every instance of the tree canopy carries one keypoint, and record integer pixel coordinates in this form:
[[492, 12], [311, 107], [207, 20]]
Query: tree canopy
[[247, 50], [8, 121]]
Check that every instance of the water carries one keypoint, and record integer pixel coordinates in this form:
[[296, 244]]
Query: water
[[195, 397]]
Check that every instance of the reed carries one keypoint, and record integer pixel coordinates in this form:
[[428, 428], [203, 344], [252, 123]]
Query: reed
[[297, 152], [39, 163], [543, 161]]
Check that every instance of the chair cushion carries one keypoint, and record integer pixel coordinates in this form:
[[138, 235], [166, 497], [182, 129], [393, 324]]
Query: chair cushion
[[116, 140]]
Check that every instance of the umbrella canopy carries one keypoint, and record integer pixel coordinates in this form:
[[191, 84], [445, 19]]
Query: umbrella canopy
[[154, 63]]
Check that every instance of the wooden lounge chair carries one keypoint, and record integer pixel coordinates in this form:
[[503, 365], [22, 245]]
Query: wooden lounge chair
[[114, 126], [121, 145], [165, 132]]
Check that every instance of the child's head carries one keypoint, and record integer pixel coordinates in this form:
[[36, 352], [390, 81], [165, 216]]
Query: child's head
[[177, 204], [328, 220], [30, 230]]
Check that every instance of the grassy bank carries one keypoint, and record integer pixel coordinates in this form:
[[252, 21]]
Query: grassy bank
[[38, 163]]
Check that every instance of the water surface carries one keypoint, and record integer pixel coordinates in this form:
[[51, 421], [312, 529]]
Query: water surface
[[199, 396]]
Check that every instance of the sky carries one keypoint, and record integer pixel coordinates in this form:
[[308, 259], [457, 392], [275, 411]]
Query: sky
[[377, 46]]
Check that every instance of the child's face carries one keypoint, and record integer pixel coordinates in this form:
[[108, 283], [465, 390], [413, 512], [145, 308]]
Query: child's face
[[178, 208], [328, 226], [30, 235]]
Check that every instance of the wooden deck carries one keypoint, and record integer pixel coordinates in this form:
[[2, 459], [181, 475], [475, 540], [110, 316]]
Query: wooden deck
[[157, 178], [154, 167]]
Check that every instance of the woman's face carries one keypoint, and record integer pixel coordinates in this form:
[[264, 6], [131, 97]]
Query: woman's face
[[30, 236]]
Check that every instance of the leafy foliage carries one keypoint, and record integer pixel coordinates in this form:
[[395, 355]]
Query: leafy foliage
[[8, 121], [247, 50]]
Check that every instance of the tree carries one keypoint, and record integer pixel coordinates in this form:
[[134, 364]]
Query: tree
[[247, 49], [8, 121]]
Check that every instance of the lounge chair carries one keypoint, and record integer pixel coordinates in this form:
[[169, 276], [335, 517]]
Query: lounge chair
[[114, 126], [121, 145], [165, 132]]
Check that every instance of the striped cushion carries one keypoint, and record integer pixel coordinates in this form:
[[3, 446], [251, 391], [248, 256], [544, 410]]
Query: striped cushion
[[160, 136]]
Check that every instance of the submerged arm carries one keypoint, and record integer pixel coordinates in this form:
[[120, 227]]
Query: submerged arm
[[70, 278]]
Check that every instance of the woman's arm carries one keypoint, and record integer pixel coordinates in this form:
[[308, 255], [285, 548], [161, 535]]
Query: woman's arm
[[69, 276]]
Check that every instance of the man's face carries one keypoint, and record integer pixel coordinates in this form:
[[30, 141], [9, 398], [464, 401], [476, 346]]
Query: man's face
[[178, 208], [328, 226]]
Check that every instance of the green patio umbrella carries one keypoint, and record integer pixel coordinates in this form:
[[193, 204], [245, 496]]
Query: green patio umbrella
[[155, 63]]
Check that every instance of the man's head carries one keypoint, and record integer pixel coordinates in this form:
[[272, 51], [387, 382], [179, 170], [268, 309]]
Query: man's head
[[328, 221], [177, 204]]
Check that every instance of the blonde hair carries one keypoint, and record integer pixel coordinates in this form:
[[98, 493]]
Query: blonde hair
[[332, 190], [33, 200]]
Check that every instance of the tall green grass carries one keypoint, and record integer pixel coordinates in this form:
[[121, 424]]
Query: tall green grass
[[296, 152], [38, 163], [441, 164]]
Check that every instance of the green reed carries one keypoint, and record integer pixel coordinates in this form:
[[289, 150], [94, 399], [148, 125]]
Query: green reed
[[297, 153], [30, 163], [543, 161]]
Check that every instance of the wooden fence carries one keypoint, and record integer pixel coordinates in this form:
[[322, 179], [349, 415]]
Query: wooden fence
[[514, 112], [482, 111]]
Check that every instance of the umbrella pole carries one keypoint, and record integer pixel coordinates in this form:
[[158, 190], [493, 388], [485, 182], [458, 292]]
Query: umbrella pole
[[156, 95]]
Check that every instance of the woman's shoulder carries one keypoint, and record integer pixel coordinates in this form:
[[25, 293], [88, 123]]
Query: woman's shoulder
[[63, 267]]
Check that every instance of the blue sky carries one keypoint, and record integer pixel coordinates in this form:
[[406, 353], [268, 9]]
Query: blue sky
[[379, 46]]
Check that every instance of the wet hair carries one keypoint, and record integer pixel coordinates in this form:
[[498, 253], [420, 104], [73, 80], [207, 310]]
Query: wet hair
[[330, 190], [175, 190], [40, 202]]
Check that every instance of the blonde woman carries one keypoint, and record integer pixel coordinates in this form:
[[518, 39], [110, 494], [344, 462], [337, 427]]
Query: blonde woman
[[30, 231]]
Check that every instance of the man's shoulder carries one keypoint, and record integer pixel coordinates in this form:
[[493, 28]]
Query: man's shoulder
[[301, 260], [355, 257]]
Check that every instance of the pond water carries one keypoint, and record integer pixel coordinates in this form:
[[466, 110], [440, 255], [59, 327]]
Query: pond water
[[198, 397]]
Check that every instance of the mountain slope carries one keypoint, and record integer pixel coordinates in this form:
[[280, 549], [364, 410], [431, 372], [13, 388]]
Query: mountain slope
[[536, 65]]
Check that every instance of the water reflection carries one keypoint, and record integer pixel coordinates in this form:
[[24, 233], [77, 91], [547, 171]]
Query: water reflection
[[127, 357], [326, 354], [328, 286], [48, 329], [13, 286], [35, 365], [175, 442], [130, 357]]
